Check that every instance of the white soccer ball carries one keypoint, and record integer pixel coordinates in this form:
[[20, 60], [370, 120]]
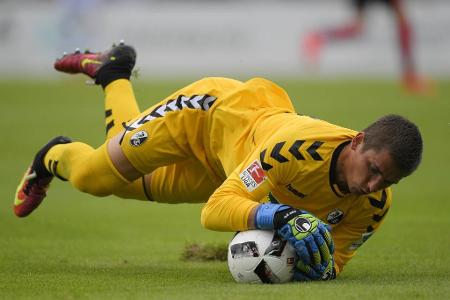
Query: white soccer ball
[[260, 256]]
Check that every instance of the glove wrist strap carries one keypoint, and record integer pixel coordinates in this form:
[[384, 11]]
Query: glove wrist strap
[[282, 216], [265, 213]]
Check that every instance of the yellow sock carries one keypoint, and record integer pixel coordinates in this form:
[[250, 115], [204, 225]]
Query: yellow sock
[[88, 170], [91, 170], [120, 106]]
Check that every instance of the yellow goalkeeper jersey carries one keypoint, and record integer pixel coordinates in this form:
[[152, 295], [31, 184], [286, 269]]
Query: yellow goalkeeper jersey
[[251, 143], [263, 146]]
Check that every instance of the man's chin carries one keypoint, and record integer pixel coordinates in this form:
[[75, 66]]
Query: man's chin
[[357, 191]]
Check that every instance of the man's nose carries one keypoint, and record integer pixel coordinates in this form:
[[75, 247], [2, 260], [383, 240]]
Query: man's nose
[[375, 184]]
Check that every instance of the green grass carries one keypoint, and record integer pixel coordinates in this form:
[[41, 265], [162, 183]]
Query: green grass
[[80, 247]]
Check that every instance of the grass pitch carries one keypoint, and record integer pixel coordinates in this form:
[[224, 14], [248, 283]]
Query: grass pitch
[[76, 246]]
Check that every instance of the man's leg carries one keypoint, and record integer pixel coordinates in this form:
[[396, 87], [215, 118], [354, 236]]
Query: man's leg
[[77, 162], [158, 140], [120, 106], [313, 43], [184, 182], [101, 172], [412, 81], [112, 70], [89, 170]]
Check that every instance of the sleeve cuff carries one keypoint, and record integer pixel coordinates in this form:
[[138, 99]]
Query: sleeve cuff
[[265, 213]]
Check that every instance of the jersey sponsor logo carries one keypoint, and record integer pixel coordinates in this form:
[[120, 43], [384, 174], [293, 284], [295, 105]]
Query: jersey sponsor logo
[[335, 216], [302, 224], [200, 102], [364, 237], [138, 138], [253, 176], [295, 191]]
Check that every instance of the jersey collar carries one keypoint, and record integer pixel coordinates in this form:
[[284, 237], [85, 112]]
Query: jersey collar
[[333, 166]]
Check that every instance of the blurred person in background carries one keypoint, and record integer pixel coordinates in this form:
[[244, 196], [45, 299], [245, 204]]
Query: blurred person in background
[[314, 42]]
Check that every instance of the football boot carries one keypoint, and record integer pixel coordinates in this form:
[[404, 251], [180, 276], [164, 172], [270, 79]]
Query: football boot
[[117, 57], [35, 183]]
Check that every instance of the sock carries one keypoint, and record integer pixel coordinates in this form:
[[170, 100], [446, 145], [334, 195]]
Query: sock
[[88, 170], [120, 106], [113, 71]]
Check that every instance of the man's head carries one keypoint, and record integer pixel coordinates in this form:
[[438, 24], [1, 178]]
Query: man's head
[[382, 154]]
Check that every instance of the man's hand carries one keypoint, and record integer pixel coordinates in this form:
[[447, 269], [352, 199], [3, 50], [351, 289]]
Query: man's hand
[[304, 272], [312, 241], [310, 237]]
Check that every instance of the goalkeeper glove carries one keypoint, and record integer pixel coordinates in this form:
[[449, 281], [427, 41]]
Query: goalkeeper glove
[[310, 237], [304, 272]]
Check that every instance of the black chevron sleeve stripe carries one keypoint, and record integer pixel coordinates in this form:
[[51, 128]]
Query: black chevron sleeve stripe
[[168, 105], [295, 150], [109, 126], [178, 102], [275, 154], [379, 203], [108, 113], [378, 218], [188, 103], [312, 150], [264, 165], [155, 113], [202, 101]]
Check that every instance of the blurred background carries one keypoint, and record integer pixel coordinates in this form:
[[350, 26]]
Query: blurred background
[[220, 37]]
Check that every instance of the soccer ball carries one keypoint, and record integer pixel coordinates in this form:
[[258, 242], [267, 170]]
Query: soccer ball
[[260, 256]]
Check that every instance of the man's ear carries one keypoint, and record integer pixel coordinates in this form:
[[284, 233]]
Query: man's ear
[[357, 140]]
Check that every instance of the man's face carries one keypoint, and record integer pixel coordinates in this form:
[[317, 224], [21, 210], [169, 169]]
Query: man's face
[[370, 170]]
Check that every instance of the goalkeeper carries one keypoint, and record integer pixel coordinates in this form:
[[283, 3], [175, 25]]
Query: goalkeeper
[[241, 148]]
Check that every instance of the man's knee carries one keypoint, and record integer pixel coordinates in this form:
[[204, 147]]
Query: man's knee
[[88, 181], [119, 161], [95, 174]]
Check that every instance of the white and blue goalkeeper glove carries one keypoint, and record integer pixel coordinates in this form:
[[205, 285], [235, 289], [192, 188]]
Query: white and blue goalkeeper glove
[[310, 237]]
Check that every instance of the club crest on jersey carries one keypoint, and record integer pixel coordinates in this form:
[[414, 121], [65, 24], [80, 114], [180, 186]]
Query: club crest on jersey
[[335, 216], [253, 176], [138, 138], [302, 224]]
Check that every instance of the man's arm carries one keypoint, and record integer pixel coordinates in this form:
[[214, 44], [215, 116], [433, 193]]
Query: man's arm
[[251, 218], [231, 207], [235, 205]]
